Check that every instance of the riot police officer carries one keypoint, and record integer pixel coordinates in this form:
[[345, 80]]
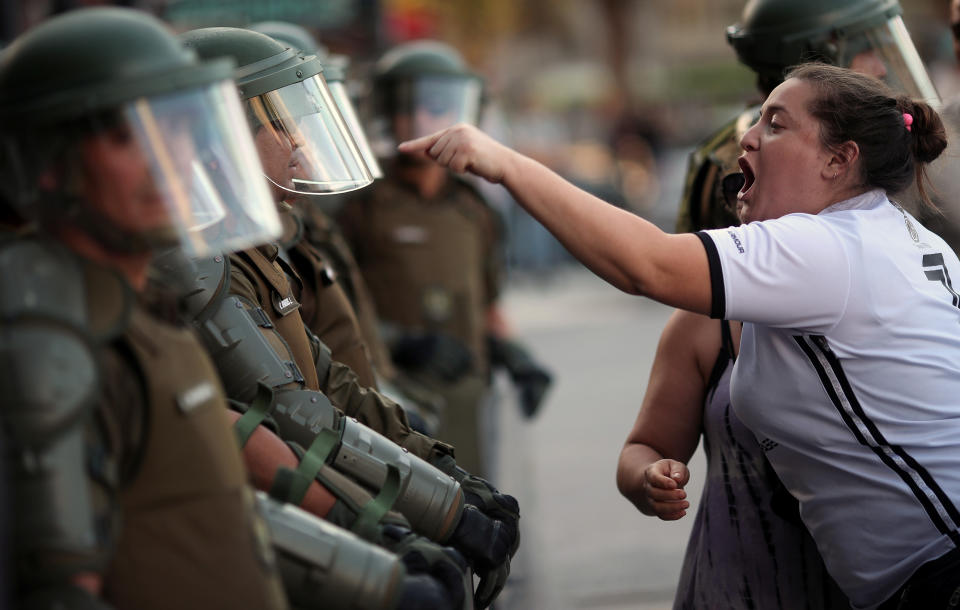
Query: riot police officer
[[335, 301], [427, 243], [128, 485], [245, 308]]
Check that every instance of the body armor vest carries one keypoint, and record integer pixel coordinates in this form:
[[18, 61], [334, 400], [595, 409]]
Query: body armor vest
[[425, 262], [189, 525]]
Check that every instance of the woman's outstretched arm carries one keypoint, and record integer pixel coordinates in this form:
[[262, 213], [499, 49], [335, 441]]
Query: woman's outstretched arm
[[622, 248]]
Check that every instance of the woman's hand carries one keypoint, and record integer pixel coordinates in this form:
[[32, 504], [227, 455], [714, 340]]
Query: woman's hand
[[463, 148], [663, 486]]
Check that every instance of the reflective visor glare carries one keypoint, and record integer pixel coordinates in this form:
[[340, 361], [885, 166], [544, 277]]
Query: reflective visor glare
[[205, 168], [437, 102], [305, 145], [892, 48], [342, 100]]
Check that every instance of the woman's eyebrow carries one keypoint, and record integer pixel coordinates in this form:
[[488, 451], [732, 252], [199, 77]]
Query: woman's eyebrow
[[774, 108]]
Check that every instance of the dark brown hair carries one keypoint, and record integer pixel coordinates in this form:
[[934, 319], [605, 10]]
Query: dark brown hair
[[854, 107]]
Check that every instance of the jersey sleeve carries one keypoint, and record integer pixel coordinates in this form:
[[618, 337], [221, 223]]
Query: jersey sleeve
[[792, 272]]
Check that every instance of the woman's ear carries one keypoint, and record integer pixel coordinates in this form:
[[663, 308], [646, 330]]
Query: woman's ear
[[842, 161]]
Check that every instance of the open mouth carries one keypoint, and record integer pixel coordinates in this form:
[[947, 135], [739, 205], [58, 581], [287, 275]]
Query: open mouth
[[749, 178]]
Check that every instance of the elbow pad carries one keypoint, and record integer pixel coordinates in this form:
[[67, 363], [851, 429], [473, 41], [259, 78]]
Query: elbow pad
[[238, 334]]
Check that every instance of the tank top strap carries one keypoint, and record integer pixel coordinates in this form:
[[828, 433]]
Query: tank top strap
[[724, 356], [726, 336]]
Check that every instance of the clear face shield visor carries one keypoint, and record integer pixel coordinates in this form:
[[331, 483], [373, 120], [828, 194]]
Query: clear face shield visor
[[428, 104], [304, 142], [887, 52], [175, 168], [342, 99]]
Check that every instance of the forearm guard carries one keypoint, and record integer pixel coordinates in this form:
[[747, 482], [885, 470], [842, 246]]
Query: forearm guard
[[324, 566], [431, 500], [248, 354]]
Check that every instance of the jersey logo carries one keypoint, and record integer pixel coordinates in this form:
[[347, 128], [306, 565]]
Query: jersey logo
[[768, 445], [910, 228], [736, 240], [936, 271]]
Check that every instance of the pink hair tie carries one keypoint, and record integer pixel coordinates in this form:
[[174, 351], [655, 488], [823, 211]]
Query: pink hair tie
[[908, 120]]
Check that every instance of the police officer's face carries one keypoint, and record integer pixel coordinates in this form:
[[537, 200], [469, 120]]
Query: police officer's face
[[783, 157], [425, 117], [869, 63], [117, 181], [276, 150]]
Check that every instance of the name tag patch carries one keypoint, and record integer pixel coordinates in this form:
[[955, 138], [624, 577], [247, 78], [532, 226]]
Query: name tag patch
[[189, 400], [410, 234]]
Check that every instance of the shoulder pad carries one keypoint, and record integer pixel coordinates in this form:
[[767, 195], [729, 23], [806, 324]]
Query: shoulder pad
[[49, 377], [42, 279], [198, 282]]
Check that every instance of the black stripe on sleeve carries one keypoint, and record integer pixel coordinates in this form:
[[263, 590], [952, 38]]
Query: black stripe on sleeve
[[718, 303]]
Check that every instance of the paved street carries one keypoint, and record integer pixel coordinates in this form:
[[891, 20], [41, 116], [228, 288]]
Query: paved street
[[584, 546]]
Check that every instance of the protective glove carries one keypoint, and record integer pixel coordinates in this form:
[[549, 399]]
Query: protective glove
[[424, 592], [530, 378], [482, 540], [437, 576], [438, 353], [532, 384], [486, 543], [478, 492]]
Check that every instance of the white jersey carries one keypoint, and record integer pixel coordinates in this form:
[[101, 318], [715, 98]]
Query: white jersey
[[849, 376]]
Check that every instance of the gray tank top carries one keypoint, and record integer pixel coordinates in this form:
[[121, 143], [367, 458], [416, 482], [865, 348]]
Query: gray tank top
[[747, 549]]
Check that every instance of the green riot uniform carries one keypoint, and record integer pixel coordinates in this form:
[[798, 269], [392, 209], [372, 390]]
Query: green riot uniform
[[432, 267], [189, 496], [324, 236], [258, 277], [126, 476], [185, 533], [324, 304], [327, 237], [245, 309]]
